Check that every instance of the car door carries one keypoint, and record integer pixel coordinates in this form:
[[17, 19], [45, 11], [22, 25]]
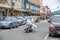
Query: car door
[[14, 21]]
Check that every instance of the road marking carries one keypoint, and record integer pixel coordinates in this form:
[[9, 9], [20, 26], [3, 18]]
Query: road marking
[[54, 39], [46, 36]]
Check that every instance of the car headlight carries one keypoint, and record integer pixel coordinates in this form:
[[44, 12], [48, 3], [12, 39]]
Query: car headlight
[[5, 23], [51, 25]]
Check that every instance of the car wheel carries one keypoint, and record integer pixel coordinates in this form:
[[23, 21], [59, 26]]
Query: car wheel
[[16, 26], [20, 24], [10, 27], [27, 31], [30, 30]]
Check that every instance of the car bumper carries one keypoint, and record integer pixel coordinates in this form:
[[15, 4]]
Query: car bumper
[[55, 33], [4, 26]]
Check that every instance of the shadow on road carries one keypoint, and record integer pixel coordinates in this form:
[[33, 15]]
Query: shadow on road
[[4, 28], [56, 36], [30, 32]]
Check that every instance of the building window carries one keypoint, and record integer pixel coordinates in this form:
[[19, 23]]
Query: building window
[[3, 1], [27, 5], [12, 0], [13, 3], [34, 7], [31, 7], [37, 8], [17, 0]]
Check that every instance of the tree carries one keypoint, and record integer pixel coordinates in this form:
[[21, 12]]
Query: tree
[[28, 12], [11, 10]]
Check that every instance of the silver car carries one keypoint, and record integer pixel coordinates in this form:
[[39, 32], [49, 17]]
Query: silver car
[[9, 22], [21, 20]]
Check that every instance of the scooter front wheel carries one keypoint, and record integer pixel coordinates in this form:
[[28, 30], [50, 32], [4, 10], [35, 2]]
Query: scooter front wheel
[[30, 30], [27, 31]]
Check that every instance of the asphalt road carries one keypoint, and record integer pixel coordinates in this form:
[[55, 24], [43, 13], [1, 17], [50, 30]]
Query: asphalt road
[[41, 33]]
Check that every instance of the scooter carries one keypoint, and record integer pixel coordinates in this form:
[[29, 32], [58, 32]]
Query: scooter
[[28, 29]]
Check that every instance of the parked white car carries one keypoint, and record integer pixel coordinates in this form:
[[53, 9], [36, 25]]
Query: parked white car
[[9, 22]]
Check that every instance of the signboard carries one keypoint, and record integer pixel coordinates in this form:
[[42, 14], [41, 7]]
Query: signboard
[[12, 5], [35, 1], [13, 2]]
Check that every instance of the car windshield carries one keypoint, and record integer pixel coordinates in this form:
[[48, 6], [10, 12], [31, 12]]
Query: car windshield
[[56, 20], [9, 19], [5, 19]]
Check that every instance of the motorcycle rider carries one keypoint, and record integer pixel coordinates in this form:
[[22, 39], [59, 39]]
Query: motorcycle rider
[[31, 24]]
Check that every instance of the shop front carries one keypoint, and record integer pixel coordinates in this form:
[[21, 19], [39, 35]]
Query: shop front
[[18, 12], [4, 12]]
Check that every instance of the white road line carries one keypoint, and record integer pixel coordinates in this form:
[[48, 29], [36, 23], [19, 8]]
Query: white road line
[[46, 36]]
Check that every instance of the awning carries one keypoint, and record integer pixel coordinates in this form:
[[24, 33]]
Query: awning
[[15, 10], [6, 6], [22, 10], [19, 9], [28, 10]]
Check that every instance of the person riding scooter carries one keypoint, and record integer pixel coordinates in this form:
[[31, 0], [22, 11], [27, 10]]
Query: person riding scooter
[[30, 26]]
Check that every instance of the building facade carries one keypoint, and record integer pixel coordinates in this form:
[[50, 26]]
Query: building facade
[[41, 5], [41, 2], [46, 12], [25, 7], [11, 8], [33, 6], [19, 7], [5, 5]]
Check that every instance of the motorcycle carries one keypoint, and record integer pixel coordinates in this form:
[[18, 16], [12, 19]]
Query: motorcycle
[[28, 29]]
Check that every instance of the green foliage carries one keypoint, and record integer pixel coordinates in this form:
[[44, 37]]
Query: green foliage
[[11, 10], [28, 12]]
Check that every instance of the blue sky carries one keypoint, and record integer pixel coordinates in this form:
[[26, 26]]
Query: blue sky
[[52, 4]]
